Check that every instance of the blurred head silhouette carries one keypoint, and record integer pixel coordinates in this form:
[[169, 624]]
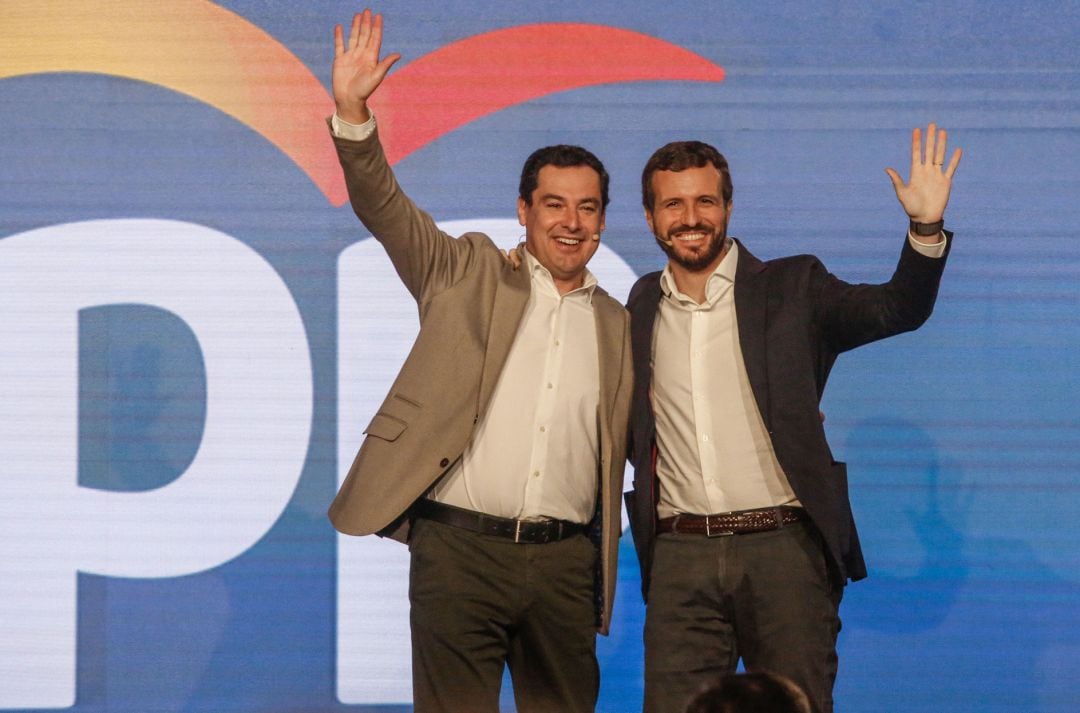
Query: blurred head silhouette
[[758, 692]]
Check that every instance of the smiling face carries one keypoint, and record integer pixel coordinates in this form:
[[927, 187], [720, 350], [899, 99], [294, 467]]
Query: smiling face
[[563, 222], [689, 216]]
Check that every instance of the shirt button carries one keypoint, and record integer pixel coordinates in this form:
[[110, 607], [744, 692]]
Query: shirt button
[[556, 342], [536, 474], [444, 462], [549, 385], [705, 437], [542, 429]]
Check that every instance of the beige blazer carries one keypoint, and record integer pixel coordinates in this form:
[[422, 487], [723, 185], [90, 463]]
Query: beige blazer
[[470, 302]]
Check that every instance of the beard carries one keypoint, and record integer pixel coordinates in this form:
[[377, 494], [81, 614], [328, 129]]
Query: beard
[[697, 259]]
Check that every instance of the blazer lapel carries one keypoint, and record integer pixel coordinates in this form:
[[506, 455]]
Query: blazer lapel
[[610, 325], [511, 297], [751, 313], [643, 309]]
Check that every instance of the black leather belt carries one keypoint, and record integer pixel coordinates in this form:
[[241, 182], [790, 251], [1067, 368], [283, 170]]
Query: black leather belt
[[534, 532], [741, 522]]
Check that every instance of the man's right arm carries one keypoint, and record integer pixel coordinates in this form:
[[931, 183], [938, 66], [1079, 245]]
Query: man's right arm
[[426, 259]]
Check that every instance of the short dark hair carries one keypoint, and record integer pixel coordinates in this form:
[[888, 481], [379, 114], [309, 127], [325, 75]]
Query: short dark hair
[[679, 156], [560, 156]]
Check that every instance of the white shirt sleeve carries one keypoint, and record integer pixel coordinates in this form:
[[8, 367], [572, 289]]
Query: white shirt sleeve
[[934, 250], [353, 132]]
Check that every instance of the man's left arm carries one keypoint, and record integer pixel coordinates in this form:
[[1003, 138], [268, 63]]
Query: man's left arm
[[852, 315]]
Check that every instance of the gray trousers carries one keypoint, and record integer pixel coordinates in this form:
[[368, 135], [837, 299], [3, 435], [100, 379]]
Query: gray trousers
[[764, 597], [480, 602]]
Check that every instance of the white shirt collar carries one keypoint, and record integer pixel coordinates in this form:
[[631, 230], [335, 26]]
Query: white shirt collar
[[541, 277], [720, 279]]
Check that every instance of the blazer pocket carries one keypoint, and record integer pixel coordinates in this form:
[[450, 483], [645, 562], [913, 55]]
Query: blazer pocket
[[386, 427], [405, 399]]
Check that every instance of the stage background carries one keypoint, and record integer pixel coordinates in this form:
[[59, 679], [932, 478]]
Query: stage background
[[194, 330]]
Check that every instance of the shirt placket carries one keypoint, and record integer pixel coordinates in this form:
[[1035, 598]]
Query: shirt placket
[[703, 415], [545, 407]]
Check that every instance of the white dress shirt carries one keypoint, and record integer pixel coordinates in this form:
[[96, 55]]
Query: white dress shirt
[[535, 450], [714, 454]]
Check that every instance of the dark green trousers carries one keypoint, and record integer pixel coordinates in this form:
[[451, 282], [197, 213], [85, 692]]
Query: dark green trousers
[[480, 602], [764, 597]]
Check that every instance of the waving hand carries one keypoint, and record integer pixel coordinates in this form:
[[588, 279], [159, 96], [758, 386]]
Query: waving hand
[[358, 71], [926, 193]]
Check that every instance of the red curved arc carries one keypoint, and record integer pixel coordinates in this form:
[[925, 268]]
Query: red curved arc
[[479, 75]]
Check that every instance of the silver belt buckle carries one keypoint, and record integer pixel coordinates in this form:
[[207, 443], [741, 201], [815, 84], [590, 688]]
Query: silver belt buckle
[[517, 532], [719, 533]]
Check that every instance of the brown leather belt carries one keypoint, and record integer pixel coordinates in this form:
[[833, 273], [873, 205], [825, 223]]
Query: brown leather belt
[[741, 522], [534, 532]]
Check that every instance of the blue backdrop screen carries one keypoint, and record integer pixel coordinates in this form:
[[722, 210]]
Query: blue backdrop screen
[[194, 329]]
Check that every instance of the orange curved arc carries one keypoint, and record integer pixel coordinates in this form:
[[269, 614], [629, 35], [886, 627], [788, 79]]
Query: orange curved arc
[[193, 47]]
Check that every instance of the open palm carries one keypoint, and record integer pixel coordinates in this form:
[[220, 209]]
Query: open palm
[[357, 70], [926, 193]]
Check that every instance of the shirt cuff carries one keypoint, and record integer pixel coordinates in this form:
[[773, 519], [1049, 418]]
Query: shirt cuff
[[934, 250], [352, 132]]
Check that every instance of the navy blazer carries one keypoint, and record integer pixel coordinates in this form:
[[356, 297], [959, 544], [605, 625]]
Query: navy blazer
[[794, 318]]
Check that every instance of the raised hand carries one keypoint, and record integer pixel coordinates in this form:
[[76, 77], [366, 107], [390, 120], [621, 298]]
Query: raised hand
[[358, 71], [926, 193]]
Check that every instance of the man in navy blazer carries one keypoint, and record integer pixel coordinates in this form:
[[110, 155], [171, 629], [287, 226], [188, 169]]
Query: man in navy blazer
[[739, 512]]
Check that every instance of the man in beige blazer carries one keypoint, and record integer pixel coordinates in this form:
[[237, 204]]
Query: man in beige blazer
[[498, 453]]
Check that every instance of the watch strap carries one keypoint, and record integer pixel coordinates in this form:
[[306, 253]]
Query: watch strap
[[927, 229]]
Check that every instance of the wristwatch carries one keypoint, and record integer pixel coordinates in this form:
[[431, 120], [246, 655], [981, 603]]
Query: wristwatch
[[927, 229]]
